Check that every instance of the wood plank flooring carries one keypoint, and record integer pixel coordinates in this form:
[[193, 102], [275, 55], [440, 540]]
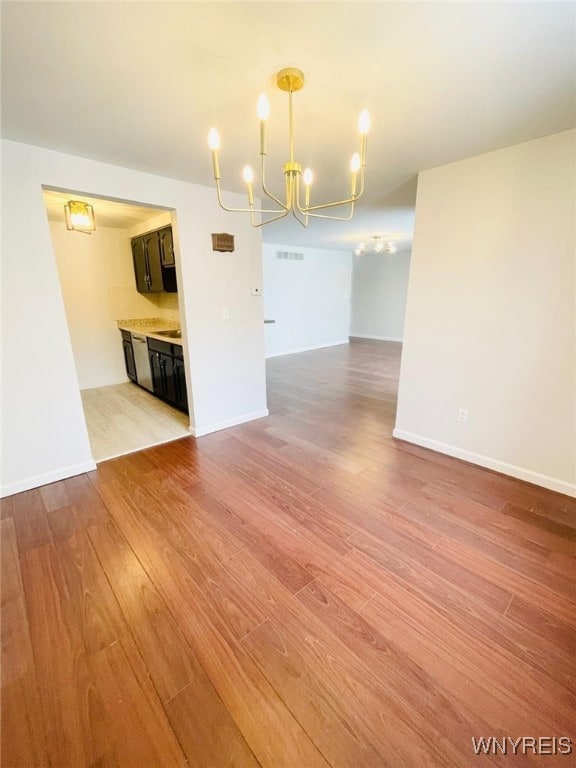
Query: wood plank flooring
[[299, 592], [124, 418]]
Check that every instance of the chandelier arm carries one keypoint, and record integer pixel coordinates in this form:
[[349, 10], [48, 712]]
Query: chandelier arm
[[289, 202], [265, 189], [298, 219], [274, 218], [240, 210], [348, 201], [334, 218], [305, 223], [352, 199], [306, 212]]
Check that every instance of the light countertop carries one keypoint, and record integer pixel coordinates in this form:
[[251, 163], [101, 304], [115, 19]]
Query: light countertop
[[149, 326]]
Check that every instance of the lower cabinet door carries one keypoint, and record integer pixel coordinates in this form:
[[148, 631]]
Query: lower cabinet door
[[180, 380], [168, 378], [156, 371], [129, 359], [168, 381]]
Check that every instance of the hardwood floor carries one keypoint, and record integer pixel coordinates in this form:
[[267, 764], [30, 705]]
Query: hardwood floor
[[299, 592], [124, 418]]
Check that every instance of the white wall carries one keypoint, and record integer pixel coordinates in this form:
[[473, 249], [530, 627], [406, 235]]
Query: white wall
[[379, 288], [87, 267], [44, 431], [490, 320], [308, 299]]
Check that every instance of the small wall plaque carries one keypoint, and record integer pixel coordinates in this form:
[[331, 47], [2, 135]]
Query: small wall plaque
[[222, 242]]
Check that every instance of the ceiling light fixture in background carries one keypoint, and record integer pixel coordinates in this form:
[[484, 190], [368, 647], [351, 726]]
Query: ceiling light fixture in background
[[378, 246], [292, 80], [79, 217]]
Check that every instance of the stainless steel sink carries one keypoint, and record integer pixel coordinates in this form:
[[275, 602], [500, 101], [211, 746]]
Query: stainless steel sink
[[171, 334]]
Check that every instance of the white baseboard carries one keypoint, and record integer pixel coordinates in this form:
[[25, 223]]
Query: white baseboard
[[46, 479], [485, 461], [308, 349], [199, 431], [376, 338]]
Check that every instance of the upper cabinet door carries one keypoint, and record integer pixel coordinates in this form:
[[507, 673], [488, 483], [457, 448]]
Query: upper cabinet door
[[140, 265], [166, 247], [154, 266], [152, 248]]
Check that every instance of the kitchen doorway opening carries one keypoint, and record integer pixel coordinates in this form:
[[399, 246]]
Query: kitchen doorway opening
[[120, 293]]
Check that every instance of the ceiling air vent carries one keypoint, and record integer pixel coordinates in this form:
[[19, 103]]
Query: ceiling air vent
[[289, 256]]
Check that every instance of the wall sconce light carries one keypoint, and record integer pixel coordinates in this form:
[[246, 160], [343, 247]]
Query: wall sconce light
[[79, 217]]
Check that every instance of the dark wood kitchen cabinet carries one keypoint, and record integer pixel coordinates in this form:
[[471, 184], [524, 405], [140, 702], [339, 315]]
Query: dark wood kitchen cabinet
[[168, 375], [140, 265], [153, 258], [129, 355], [162, 369], [180, 382], [166, 243]]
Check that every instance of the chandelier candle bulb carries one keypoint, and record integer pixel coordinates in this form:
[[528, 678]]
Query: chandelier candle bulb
[[249, 178], [263, 109], [308, 177], [214, 144], [213, 139], [364, 122], [363, 127]]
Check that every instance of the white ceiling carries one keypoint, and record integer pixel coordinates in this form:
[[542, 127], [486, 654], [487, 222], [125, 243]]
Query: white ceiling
[[140, 84]]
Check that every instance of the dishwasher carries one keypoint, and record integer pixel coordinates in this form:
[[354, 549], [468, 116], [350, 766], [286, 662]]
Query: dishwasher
[[142, 361]]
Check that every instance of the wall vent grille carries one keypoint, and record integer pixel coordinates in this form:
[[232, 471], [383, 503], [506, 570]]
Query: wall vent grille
[[290, 255]]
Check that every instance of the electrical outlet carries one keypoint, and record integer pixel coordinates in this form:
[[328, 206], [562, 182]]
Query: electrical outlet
[[463, 415], [256, 291], [225, 313]]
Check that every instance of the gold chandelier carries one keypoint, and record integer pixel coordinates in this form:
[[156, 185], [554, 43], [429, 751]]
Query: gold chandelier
[[292, 80]]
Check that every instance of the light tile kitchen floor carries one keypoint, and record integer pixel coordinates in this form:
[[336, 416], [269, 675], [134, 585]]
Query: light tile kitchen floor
[[124, 418]]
